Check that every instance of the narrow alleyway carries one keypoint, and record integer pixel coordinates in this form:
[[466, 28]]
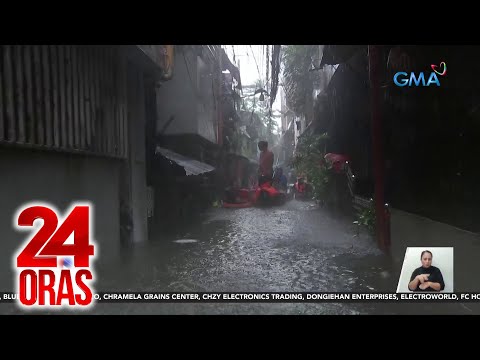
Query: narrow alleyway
[[296, 247], [152, 135]]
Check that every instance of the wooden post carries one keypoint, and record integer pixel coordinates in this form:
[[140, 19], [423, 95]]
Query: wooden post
[[374, 52]]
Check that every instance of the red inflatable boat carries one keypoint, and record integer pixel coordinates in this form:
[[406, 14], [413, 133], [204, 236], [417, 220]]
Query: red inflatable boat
[[265, 194]]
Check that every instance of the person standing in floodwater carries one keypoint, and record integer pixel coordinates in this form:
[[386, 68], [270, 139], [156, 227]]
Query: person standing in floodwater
[[280, 179], [265, 168]]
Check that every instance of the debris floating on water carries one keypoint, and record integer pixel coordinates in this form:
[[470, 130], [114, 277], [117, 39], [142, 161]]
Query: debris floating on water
[[185, 241]]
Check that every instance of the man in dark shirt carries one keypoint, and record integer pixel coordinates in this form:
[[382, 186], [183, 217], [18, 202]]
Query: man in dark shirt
[[426, 277]]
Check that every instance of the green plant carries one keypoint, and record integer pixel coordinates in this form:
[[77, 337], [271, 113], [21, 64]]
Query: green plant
[[366, 218], [308, 160], [297, 77]]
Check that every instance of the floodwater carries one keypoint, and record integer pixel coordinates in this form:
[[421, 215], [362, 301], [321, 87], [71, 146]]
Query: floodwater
[[296, 247]]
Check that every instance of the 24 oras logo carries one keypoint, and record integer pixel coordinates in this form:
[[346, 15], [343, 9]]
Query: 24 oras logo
[[404, 79], [53, 267]]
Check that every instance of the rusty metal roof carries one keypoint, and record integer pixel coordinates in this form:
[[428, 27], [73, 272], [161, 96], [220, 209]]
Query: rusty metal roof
[[191, 166]]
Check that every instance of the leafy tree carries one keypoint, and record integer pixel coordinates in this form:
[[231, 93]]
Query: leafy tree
[[298, 80]]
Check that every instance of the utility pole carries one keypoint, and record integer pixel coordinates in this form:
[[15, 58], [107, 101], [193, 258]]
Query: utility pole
[[374, 52]]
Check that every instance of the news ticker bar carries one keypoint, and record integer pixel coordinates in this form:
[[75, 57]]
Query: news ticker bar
[[267, 297]]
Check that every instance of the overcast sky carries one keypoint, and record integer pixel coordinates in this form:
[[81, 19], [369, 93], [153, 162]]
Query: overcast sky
[[252, 63]]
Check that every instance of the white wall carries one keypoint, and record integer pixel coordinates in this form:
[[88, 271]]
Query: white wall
[[178, 97], [189, 97], [442, 258]]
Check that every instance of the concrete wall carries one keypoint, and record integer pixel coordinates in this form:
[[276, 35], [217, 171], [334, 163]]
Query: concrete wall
[[58, 179], [410, 230], [178, 97], [189, 96], [137, 158], [206, 112]]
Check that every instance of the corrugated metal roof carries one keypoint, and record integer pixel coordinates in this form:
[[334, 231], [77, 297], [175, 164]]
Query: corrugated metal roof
[[191, 166]]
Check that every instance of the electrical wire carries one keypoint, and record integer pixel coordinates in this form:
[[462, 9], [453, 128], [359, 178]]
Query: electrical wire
[[275, 72], [267, 67], [255, 59]]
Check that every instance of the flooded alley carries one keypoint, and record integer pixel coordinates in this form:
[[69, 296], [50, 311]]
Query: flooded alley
[[192, 174], [295, 247]]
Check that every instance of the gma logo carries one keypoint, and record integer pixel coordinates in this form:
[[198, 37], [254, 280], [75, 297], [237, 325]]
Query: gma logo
[[404, 79]]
